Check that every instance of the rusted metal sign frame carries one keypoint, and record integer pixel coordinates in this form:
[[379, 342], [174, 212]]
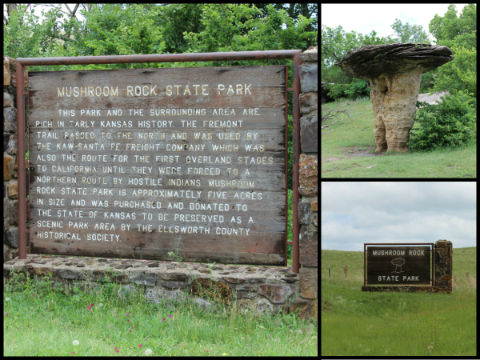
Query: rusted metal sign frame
[[432, 261], [22, 63]]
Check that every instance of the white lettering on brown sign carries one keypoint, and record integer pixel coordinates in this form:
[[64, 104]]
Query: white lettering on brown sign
[[138, 163]]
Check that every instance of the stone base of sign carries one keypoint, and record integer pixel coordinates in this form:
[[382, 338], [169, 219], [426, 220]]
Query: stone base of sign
[[10, 178], [443, 265], [307, 302], [443, 253], [256, 289]]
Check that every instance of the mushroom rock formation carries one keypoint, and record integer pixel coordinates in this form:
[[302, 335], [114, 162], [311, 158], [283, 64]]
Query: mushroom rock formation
[[394, 72]]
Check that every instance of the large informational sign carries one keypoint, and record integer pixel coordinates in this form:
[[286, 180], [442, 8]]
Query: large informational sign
[[398, 265], [143, 162]]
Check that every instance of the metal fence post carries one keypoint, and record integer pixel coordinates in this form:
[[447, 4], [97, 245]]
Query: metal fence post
[[22, 183]]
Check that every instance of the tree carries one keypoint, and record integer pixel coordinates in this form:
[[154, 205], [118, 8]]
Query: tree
[[233, 27], [451, 27], [10, 8], [157, 28], [21, 33], [459, 33], [294, 10], [336, 43], [373, 39], [409, 33], [178, 19]]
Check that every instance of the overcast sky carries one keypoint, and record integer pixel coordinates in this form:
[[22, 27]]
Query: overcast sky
[[363, 18], [354, 213]]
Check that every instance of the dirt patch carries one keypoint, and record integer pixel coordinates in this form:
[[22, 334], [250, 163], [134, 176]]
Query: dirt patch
[[362, 151]]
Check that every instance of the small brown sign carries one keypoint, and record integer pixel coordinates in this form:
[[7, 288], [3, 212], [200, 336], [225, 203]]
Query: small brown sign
[[398, 265], [143, 162]]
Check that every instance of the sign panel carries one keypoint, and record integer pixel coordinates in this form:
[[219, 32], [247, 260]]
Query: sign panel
[[141, 162], [398, 265]]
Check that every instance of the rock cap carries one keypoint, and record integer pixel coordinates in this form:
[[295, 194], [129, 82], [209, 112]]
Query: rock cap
[[371, 61]]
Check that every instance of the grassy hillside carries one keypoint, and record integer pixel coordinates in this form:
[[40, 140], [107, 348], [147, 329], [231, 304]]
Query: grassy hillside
[[348, 145], [357, 323]]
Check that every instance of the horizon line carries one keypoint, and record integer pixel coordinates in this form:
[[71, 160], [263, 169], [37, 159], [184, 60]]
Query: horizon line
[[460, 247]]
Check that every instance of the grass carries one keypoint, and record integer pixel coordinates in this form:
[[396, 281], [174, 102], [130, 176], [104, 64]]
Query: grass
[[41, 320], [351, 132], [357, 323]]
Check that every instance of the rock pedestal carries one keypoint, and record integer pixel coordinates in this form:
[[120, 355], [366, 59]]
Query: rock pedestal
[[394, 72], [393, 101]]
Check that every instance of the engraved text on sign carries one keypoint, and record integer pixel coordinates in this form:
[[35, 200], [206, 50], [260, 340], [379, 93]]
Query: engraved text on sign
[[399, 265], [137, 163]]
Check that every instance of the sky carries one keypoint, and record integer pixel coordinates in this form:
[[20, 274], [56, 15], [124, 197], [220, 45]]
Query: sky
[[354, 213], [363, 18]]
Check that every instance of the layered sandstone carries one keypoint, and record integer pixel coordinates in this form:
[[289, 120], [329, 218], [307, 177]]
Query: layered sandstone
[[394, 73]]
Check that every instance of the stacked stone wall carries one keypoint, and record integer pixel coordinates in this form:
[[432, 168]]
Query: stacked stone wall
[[256, 289], [308, 183], [443, 266], [10, 164]]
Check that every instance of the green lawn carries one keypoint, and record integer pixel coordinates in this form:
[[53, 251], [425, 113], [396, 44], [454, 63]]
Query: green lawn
[[348, 144], [357, 323], [39, 321], [42, 322]]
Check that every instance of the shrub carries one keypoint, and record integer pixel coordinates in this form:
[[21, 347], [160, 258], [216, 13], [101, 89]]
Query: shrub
[[356, 89], [448, 124], [335, 91]]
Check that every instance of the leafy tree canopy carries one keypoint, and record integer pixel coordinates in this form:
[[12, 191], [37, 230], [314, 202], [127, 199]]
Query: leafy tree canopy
[[409, 33], [459, 33], [336, 43], [118, 29]]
